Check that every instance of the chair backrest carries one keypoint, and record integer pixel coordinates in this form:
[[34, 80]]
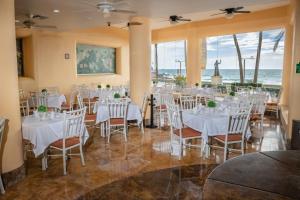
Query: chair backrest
[[73, 95], [80, 101], [24, 107], [52, 90], [188, 102], [117, 109], [2, 127], [74, 123], [144, 105], [165, 99], [174, 116], [259, 103], [42, 99], [238, 122]]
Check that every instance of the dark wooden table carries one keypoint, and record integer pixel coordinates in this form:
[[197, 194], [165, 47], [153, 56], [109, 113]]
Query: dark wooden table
[[263, 175]]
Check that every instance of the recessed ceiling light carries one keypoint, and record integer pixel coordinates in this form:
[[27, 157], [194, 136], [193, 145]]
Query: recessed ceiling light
[[56, 11]]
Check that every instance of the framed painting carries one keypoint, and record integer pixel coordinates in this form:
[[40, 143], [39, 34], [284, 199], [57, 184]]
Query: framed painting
[[298, 68], [94, 59]]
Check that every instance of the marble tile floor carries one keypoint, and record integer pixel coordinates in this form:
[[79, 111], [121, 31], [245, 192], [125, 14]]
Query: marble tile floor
[[144, 161]]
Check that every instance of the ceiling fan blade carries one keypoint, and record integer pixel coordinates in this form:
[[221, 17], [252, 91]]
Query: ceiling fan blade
[[185, 20], [243, 11], [218, 14], [44, 26], [239, 8], [41, 17], [134, 23], [123, 11]]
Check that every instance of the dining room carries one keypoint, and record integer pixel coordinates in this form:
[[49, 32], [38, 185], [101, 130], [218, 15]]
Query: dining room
[[111, 99]]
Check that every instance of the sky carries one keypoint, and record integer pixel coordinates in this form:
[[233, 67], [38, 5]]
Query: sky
[[222, 47]]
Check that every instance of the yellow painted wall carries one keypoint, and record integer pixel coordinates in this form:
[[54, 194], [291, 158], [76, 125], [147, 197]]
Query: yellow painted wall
[[52, 69]]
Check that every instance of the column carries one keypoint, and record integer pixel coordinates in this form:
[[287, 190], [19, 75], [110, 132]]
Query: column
[[294, 93], [9, 95], [140, 59], [193, 63]]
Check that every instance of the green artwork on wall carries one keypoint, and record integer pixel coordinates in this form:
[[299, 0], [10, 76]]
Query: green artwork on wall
[[298, 68], [93, 59]]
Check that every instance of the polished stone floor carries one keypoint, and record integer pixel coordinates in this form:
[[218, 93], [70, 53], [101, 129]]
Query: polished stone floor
[[142, 168]]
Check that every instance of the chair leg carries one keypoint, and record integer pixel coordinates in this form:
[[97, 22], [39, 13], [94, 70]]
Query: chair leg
[[125, 132], [1, 186], [225, 153], [142, 127], [108, 133], [81, 156], [242, 147], [64, 162]]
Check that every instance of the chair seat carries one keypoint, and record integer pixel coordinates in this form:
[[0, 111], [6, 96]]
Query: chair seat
[[272, 104], [188, 133], [68, 142], [90, 117], [116, 121], [231, 137], [92, 100]]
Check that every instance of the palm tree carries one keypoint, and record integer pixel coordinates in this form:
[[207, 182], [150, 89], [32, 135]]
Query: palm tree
[[277, 40], [258, 56], [238, 50]]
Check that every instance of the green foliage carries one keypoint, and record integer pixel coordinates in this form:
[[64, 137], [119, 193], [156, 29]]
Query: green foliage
[[197, 84], [180, 80], [211, 104], [99, 86], [44, 90], [107, 86], [232, 93], [117, 96], [42, 108]]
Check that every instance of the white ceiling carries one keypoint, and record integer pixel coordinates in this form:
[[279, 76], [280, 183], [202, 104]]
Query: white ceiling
[[76, 14]]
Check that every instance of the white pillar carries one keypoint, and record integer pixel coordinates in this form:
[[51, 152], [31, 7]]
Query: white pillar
[[9, 96], [140, 59]]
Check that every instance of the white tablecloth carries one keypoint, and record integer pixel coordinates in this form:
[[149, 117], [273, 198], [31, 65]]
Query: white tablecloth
[[210, 124], [102, 112], [41, 133]]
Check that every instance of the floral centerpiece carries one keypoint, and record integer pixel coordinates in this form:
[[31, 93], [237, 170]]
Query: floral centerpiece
[[180, 80], [211, 104], [107, 86], [117, 96], [44, 91], [99, 86], [42, 109], [197, 84]]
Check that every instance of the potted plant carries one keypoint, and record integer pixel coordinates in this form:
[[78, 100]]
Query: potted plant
[[107, 86], [99, 86], [42, 109], [117, 96], [180, 80], [44, 91], [211, 104], [197, 84]]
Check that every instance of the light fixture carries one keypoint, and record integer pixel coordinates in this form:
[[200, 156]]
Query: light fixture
[[229, 15], [56, 11], [17, 21]]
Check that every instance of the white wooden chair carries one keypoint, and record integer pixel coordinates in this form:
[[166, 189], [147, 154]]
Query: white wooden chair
[[178, 130], [24, 107], [73, 136], [258, 110], [237, 127], [188, 102], [70, 106], [161, 106], [273, 106], [144, 111], [117, 118], [2, 126], [89, 119], [87, 98]]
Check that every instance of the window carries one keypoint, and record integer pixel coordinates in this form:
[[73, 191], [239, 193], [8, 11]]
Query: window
[[271, 57], [168, 60]]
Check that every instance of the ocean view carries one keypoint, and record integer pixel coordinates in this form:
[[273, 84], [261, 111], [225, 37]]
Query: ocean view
[[265, 76]]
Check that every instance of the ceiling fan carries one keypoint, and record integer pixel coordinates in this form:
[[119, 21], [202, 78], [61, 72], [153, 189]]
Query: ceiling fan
[[230, 12], [29, 22], [174, 19], [128, 24]]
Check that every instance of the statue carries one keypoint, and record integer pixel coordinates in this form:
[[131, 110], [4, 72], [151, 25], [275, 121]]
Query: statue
[[217, 72]]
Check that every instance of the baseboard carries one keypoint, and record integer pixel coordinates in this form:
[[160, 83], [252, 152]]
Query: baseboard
[[14, 176]]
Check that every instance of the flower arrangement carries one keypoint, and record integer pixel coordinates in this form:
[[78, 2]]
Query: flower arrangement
[[44, 91], [117, 96], [211, 104], [197, 84], [107, 86], [232, 93], [180, 80], [42, 108], [99, 86]]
